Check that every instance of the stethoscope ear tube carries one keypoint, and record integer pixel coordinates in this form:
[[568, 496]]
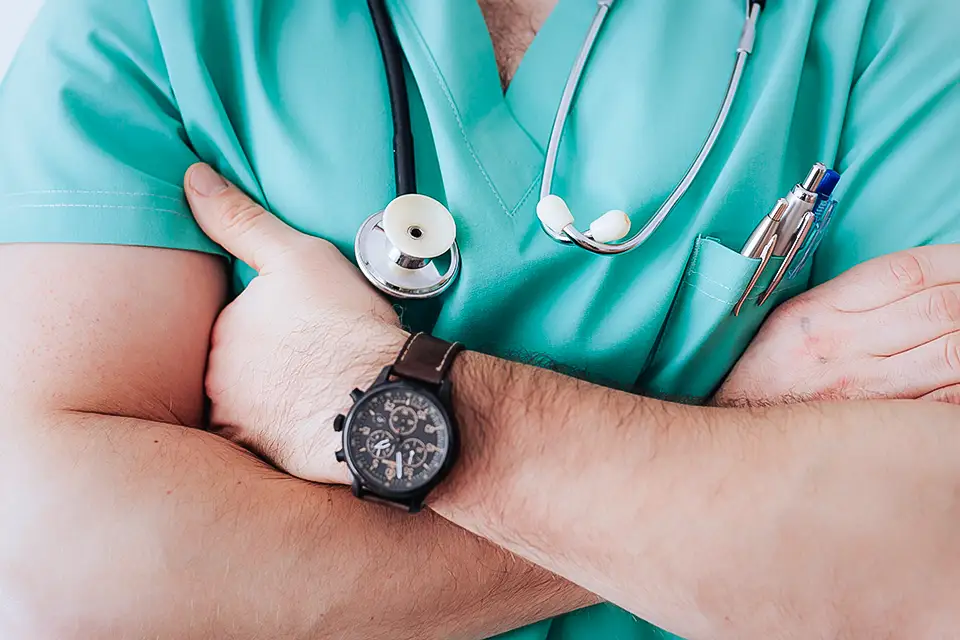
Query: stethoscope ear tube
[[570, 234]]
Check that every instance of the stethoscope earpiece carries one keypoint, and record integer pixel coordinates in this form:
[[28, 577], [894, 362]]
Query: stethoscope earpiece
[[555, 217], [607, 231], [612, 226], [395, 248]]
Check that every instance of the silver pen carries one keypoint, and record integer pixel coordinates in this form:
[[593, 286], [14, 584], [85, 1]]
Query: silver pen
[[801, 200], [803, 231], [761, 245], [768, 228], [796, 224]]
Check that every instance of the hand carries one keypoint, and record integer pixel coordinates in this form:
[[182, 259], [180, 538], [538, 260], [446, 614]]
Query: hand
[[889, 328], [287, 352]]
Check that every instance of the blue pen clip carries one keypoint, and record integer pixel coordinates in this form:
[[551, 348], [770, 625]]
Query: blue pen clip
[[822, 215]]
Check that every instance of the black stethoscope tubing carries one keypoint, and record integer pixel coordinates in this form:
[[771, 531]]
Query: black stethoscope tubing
[[393, 61]]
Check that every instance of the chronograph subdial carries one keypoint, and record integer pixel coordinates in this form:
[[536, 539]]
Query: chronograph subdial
[[382, 444], [404, 419], [413, 452]]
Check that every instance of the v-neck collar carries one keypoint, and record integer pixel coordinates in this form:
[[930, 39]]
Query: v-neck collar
[[538, 83], [449, 48]]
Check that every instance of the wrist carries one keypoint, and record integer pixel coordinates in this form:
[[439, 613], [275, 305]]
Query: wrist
[[490, 398], [378, 348]]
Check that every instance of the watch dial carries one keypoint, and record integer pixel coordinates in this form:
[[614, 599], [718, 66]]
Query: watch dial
[[398, 439]]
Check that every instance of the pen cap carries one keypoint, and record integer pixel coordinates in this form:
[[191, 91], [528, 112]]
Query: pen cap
[[829, 184], [815, 176]]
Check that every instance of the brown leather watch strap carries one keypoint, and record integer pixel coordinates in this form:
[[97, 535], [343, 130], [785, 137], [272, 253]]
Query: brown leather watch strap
[[426, 359]]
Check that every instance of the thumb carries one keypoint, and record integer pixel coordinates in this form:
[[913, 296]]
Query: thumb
[[234, 221]]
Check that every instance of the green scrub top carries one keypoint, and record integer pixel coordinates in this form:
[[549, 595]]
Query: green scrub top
[[109, 102]]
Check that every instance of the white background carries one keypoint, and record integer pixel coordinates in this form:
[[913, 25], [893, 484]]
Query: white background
[[15, 18]]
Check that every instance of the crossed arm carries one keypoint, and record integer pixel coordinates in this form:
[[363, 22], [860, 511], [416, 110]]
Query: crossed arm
[[119, 521], [126, 522], [806, 521]]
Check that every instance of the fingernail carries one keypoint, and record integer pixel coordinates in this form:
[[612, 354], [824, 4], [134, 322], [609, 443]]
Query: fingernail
[[205, 181]]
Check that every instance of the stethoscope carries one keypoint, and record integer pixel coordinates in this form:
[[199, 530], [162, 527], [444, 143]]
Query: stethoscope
[[397, 248]]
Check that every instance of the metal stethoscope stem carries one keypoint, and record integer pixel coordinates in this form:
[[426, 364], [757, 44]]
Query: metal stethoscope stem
[[570, 234]]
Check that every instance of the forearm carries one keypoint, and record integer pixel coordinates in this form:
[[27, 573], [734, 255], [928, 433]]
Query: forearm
[[711, 522], [117, 527]]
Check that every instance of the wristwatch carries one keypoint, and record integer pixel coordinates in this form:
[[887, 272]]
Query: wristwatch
[[400, 438]]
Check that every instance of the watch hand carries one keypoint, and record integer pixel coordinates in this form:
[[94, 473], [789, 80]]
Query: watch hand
[[410, 459], [399, 465], [383, 444]]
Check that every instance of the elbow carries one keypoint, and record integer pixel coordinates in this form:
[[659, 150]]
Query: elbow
[[48, 575], [29, 608], [21, 571], [20, 616]]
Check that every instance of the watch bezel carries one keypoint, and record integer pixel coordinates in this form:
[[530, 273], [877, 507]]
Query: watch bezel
[[453, 450]]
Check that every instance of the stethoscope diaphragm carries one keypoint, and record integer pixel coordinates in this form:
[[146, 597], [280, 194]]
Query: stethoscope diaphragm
[[397, 248]]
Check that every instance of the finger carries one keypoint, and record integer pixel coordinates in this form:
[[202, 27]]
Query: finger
[[234, 221], [912, 321], [889, 278], [923, 370], [949, 394]]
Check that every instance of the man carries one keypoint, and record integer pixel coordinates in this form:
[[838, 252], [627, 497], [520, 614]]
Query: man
[[205, 541]]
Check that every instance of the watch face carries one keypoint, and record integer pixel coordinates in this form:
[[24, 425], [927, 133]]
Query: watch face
[[397, 439]]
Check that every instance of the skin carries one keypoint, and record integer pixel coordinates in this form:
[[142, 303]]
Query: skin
[[77, 374], [513, 25], [122, 521], [108, 407], [890, 467], [885, 329], [98, 444]]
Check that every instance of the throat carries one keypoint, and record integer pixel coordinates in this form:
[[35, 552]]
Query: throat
[[513, 25]]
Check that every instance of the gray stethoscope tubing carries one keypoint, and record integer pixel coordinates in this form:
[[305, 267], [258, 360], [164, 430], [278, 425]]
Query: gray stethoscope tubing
[[570, 234]]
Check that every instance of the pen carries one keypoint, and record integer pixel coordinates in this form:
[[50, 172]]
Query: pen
[[795, 224], [822, 213], [768, 228], [801, 200], [818, 187], [806, 224], [760, 245]]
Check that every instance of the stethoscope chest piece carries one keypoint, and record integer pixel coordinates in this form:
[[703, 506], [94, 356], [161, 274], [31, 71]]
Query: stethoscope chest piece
[[396, 248]]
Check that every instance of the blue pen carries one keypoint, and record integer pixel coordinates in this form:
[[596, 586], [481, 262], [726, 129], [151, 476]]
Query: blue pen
[[813, 208], [822, 213], [795, 225]]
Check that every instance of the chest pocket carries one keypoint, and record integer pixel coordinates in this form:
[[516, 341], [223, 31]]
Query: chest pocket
[[701, 338]]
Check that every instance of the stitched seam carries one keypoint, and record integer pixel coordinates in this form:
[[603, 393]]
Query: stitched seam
[[443, 362], [91, 193], [728, 303], [453, 108], [526, 194], [93, 206], [702, 292], [406, 347], [694, 258], [708, 279]]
